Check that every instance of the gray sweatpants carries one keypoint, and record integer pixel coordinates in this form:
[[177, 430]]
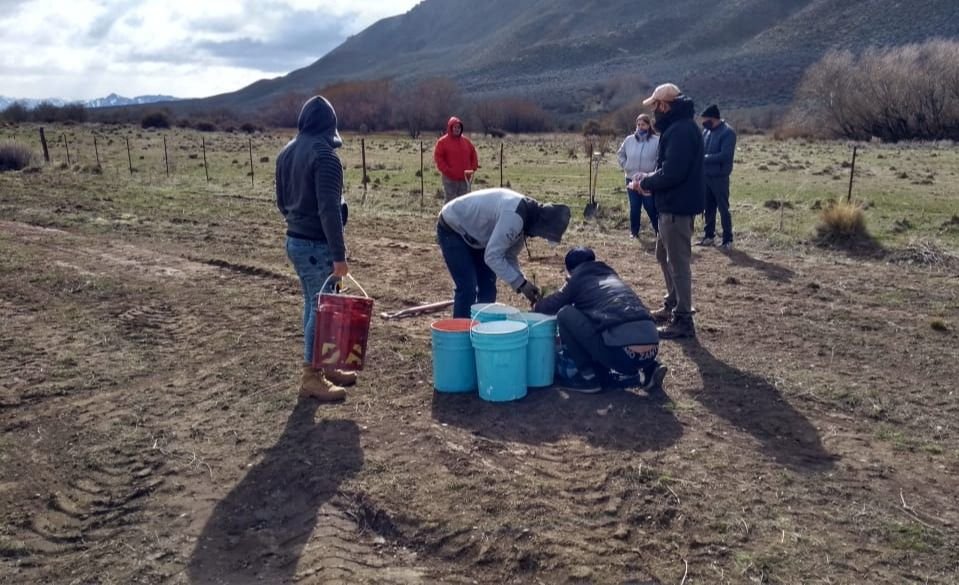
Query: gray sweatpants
[[674, 253], [453, 189]]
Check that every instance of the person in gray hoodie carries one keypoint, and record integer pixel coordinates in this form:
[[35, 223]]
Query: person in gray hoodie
[[309, 195], [481, 234]]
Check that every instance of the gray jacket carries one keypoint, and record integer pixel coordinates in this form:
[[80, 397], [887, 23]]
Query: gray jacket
[[638, 156], [498, 220]]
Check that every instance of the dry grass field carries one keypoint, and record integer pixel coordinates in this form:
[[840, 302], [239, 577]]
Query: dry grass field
[[150, 430]]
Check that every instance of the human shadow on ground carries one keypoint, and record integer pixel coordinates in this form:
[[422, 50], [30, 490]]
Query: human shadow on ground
[[753, 405], [771, 270], [256, 534], [614, 419]]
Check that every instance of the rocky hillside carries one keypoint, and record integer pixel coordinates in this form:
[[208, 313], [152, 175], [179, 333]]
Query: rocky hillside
[[735, 52]]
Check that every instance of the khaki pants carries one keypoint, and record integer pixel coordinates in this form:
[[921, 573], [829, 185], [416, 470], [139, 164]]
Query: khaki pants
[[453, 189], [674, 253]]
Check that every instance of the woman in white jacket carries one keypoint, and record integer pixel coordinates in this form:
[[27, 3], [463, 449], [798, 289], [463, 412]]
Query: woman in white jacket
[[637, 156]]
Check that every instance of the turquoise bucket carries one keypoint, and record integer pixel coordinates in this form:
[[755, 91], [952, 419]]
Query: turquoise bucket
[[541, 350], [454, 364], [486, 312], [500, 359]]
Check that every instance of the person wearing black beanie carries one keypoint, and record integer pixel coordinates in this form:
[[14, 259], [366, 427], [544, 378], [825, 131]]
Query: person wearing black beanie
[[605, 328], [719, 140]]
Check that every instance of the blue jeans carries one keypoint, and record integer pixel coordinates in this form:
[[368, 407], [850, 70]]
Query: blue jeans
[[636, 205], [473, 280], [584, 345], [313, 263]]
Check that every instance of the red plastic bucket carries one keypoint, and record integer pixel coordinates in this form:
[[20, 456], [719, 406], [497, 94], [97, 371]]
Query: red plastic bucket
[[342, 329]]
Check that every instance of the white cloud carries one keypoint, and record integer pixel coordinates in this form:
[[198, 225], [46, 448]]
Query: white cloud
[[88, 48]]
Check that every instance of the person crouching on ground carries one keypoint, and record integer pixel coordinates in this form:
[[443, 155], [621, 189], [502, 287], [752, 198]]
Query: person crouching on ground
[[481, 235], [309, 194], [604, 326]]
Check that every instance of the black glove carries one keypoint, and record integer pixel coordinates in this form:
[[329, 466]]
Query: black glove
[[530, 291]]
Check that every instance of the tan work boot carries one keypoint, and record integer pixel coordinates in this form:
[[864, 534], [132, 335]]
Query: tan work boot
[[340, 378], [315, 385]]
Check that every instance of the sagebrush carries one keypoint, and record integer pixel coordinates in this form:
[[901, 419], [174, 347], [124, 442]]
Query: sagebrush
[[14, 157]]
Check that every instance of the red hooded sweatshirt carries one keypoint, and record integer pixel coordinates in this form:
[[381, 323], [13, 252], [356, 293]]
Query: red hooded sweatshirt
[[454, 154]]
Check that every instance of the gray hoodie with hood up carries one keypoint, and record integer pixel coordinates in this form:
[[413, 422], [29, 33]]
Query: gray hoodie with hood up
[[309, 179]]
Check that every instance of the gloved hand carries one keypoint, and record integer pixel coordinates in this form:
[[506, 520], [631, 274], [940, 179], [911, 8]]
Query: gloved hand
[[530, 291]]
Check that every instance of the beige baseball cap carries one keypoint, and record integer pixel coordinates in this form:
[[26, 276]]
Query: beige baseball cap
[[666, 92]]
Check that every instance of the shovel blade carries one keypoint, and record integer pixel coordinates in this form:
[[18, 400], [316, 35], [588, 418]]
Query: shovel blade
[[590, 210]]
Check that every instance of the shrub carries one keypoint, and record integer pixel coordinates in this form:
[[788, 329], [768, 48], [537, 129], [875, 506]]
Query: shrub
[[16, 113], [844, 225], [248, 128], [14, 157], [205, 126], [155, 120], [898, 93]]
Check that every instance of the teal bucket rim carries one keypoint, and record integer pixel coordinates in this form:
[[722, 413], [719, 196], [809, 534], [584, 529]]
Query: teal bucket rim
[[494, 309], [509, 327]]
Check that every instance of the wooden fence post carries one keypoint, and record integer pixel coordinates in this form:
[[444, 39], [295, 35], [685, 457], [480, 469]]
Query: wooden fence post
[[66, 145], [251, 162], [500, 164], [365, 178], [43, 143], [129, 156], [166, 157], [206, 169], [96, 151], [852, 173], [422, 180]]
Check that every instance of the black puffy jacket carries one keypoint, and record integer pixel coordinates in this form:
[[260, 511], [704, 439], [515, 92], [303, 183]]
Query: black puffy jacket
[[679, 183], [595, 289]]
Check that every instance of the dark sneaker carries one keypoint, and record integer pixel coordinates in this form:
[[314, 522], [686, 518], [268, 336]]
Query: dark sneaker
[[706, 242], [678, 329], [653, 382], [580, 384], [726, 246], [662, 314], [617, 381]]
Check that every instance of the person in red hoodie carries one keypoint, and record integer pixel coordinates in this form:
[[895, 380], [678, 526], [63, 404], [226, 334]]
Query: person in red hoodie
[[456, 160]]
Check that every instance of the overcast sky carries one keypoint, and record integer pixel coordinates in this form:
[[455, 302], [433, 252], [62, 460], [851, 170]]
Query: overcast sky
[[82, 49]]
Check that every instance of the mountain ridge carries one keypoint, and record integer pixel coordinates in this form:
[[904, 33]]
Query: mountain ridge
[[112, 100]]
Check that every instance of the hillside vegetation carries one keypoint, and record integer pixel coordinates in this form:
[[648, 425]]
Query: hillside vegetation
[[741, 53]]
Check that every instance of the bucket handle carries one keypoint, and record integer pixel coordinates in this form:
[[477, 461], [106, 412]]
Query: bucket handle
[[488, 305], [350, 276], [476, 319]]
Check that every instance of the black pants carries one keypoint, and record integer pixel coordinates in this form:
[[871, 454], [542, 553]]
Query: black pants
[[717, 198], [584, 345]]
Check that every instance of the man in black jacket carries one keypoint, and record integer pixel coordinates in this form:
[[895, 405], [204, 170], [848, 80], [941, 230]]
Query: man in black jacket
[[679, 188], [603, 325]]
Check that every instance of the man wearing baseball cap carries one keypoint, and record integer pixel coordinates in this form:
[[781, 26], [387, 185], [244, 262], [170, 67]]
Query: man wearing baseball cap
[[679, 187]]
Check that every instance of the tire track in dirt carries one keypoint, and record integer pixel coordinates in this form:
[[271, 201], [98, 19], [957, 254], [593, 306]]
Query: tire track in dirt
[[104, 506]]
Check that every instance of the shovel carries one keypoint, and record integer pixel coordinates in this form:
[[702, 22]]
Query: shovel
[[592, 207]]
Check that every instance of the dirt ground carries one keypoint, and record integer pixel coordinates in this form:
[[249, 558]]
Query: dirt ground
[[150, 430]]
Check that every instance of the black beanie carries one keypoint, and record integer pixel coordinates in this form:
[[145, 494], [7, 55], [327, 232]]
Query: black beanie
[[577, 256], [711, 112]]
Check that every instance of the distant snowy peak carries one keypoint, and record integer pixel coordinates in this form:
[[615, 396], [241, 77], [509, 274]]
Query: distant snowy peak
[[104, 102], [118, 100]]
